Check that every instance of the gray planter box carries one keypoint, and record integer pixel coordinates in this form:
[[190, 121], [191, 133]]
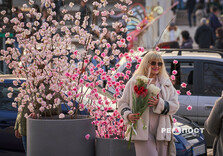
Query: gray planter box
[[113, 147], [57, 137]]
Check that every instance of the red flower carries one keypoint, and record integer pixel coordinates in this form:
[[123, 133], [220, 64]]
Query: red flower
[[136, 89], [144, 94]]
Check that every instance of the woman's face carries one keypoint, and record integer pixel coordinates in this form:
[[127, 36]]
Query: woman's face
[[155, 66]]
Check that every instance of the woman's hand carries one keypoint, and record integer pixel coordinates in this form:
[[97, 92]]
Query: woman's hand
[[154, 101], [133, 117], [17, 134]]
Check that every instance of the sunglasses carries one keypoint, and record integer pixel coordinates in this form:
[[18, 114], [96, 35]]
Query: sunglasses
[[154, 63]]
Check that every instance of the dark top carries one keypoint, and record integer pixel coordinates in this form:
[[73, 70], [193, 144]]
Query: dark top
[[191, 5], [214, 23], [187, 44], [204, 36], [219, 44], [85, 11]]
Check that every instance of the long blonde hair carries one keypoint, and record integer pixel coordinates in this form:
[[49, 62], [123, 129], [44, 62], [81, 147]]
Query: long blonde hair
[[143, 66]]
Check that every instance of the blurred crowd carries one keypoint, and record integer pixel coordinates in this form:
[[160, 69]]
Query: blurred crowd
[[206, 16]]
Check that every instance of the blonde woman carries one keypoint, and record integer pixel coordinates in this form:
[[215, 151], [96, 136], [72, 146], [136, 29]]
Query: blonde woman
[[153, 140]]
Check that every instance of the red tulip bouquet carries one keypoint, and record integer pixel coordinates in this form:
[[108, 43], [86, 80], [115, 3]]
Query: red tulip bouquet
[[143, 91]]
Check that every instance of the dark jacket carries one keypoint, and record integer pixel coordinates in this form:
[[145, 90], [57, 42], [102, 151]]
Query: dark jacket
[[187, 44], [214, 126], [204, 36], [219, 44], [214, 23], [191, 5]]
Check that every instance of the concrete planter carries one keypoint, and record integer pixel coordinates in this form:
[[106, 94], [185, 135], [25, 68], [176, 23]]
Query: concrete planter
[[113, 147], [56, 137]]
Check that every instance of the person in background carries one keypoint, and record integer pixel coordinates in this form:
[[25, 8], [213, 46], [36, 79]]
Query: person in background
[[203, 35], [214, 126], [190, 10], [171, 33], [219, 40], [214, 22], [200, 11], [150, 140], [85, 11], [187, 42]]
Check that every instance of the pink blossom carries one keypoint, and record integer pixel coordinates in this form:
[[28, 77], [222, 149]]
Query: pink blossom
[[174, 120], [173, 77], [183, 85], [67, 74], [61, 116], [178, 92], [41, 109], [129, 38], [104, 90], [20, 15], [81, 81], [122, 40], [189, 108], [14, 105], [137, 66], [108, 45], [81, 107], [157, 49], [139, 60], [69, 93], [175, 61], [9, 95], [107, 136], [103, 54], [15, 83], [117, 65], [188, 93], [61, 83], [7, 34], [174, 72], [131, 51], [141, 49]]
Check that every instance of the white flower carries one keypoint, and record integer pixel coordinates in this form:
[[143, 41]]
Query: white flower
[[71, 4], [153, 89], [14, 105], [142, 78]]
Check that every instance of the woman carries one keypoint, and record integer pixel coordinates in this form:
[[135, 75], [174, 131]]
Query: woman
[[219, 40], [171, 33], [213, 125], [152, 140]]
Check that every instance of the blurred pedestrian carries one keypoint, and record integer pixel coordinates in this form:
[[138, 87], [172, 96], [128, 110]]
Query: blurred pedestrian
[[171, 33], [203, 35], [200, 11], [214, 126], [214, 22], [85, 13], [219, 40], [187, 42], [190, 10]]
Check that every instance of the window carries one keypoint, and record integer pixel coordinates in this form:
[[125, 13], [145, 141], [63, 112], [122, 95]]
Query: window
[[213, 79], [5, 102], [184, 75]]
